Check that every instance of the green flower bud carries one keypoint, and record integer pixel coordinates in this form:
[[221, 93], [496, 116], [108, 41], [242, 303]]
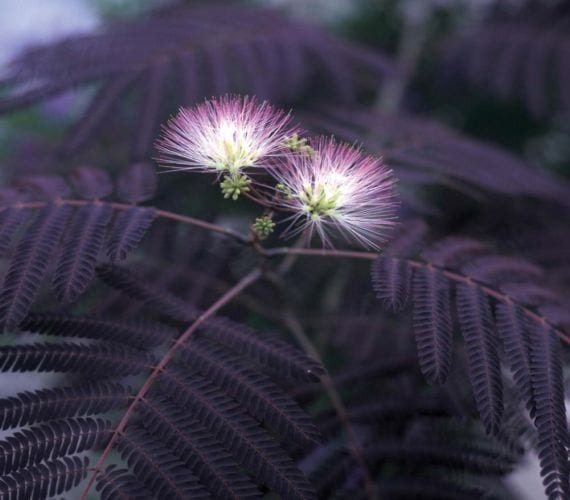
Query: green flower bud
[[296, 143], [235, 184], [284, 190], [263, 227]]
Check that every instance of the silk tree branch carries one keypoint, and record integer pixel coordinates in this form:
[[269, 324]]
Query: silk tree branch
[[414, 264], [163, 214], [292, 323], [233, 292]]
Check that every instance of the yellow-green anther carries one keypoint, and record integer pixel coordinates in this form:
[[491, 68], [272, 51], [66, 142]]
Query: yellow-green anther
[[319, 201]]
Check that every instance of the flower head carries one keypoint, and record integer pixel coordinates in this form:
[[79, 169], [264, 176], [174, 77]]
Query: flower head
[[223, 136], [338, 188]]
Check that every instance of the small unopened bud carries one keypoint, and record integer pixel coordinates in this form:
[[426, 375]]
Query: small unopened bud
[[263, 227], [235, 184], [283, 189], [299, 144]]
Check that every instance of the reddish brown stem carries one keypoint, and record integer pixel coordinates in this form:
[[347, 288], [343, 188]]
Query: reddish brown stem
[[215, 307], [318, 252], [308, 252], [164, 214], [453, 276]]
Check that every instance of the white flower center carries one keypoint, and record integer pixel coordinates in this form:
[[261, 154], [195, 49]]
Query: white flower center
[[323, 197], [233, 147]]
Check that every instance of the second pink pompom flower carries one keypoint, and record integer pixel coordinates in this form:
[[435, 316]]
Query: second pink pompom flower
[[338, 189]]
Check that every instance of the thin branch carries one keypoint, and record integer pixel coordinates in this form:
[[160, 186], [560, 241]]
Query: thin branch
[[164, 214], [453, 276], [318, 252], [293, 324], [414, 34], [246, 281], [354, 444], [308, 252]]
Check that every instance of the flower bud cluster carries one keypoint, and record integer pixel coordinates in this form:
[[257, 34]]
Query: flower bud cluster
[[326, 187]]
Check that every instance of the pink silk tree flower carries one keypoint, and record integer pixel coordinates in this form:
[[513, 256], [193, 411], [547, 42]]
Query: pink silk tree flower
[[223, 136], [337, 188]]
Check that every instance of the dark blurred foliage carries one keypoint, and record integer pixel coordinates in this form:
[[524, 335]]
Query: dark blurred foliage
[[435, 89], [474, 284]]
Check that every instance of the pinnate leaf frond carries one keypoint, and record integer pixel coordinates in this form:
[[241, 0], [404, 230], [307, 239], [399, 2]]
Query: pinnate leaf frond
[[52, 440], [136, 333], [75, 266], [45, 480], [501, 301], [481, 346], [28, 408], [30, 263], [432, 323]]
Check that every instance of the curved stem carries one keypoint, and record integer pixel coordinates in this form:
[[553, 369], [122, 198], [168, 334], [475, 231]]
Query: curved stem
[[354, 444], [291, 321], [307, 252], [246, 281], [453, 276], [318, 252], [163, 214]]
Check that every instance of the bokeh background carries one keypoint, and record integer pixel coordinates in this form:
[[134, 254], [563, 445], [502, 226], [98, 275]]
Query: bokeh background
[[413, 32]]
